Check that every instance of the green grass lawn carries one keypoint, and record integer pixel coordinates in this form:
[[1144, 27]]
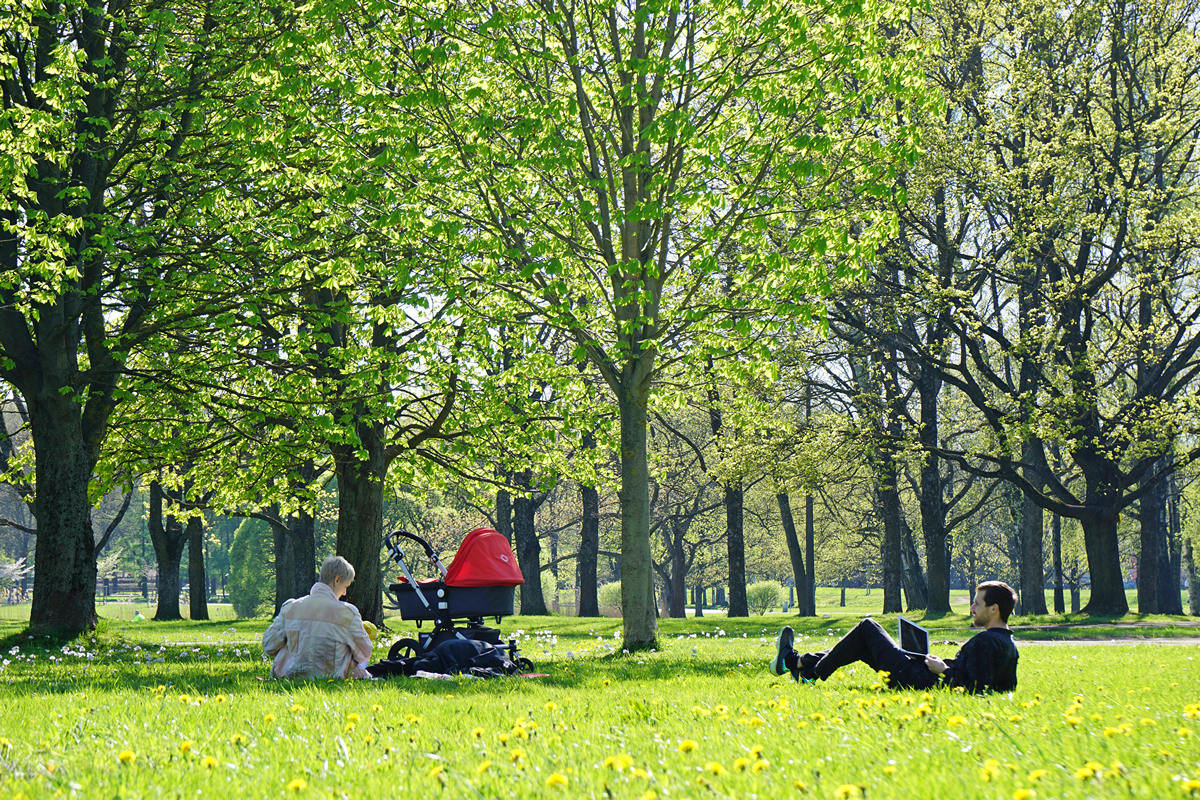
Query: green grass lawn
[[179, 710]]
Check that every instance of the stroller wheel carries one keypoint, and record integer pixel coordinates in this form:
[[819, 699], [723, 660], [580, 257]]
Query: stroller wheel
[[525, 664], [404, 648]]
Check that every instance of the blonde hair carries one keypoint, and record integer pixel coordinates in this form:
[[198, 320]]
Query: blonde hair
[[336, 567]]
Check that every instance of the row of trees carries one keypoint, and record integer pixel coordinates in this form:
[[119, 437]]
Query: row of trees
[[251, 254]]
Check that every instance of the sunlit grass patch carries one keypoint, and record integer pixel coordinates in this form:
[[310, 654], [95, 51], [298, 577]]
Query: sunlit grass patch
[[700, 717]]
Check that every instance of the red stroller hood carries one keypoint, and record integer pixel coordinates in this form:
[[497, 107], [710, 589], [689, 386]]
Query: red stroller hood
[[484, 559]]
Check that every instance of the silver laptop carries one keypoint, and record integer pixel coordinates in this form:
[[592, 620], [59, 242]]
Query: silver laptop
[[914, 640]]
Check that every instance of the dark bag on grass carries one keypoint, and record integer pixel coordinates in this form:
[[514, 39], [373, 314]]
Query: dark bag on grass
[[452, 657]]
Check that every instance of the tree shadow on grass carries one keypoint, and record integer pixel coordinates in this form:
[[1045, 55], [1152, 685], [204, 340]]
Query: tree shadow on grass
[[207, 679]]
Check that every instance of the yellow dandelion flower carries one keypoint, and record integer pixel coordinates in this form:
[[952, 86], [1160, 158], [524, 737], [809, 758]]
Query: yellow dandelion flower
[[377, 708], [649, 794], [760, 765], [619, 762], [1023, 794], [502, 737], [552, 706], [268, 718], [800, 786], [517, 754], [1036, 775], [349, 728], [715, 768], [237, 739], [687, 745], [756, 751], [638, 772], [955, 720], [297, 785], [1191, 786], [369, 739], [1072, 721], [605, 682], [1084, 773], [5, 743], [412, 719], [438, 773], [848, 791], [1183, 733], [220, 698], [186, 746], [126, 756], [483, 767], [208, 762], [297, 708], [889, 769], [477, 733], [1015, 718], [353, 717], [741, 763], [557, 779]]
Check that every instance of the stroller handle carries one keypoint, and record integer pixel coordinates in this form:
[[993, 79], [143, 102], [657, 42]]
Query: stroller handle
[[389, 538]]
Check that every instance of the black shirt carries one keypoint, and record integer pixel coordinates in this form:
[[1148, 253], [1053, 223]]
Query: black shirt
[[988, 661]]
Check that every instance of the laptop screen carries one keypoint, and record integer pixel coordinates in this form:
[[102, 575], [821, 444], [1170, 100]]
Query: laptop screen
[[913, 637]]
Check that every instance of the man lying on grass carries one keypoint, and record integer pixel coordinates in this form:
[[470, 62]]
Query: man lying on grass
[[988, 661]]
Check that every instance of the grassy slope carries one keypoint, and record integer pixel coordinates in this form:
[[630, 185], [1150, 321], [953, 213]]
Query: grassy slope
[[1129, 709]]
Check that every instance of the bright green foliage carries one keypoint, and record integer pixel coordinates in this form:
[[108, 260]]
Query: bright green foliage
[[251, 584]]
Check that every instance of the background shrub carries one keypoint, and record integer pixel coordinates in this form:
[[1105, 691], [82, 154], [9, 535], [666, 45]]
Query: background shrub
[[763, 596]]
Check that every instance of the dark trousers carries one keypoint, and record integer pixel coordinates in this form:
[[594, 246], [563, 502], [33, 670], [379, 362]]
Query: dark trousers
[[869, 643]]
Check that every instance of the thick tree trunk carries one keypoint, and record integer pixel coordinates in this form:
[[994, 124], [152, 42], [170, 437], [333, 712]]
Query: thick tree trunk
[[589, 552], [1189, 557], [302, 532], [167, 537], [1056, 543], [677, 589], [64, 576], [1152, 522], [285, 569], [795, 554], [893, 567], [933, 509], [1170, 593], [504, 512], [360, 520], [197, 580], [529, 550], [735, 545], [1033, 581], [916, 591], [1104, 565], [699, 598], [640, 620]]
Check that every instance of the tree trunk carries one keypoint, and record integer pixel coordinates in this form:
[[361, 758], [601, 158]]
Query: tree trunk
[[916, 591], [1170, 593], [1033, 581], [167, 537], [64, 575], [1056, 543], [1189, 557], [891, 515], [504, 512], [1152, 522], [360, 519], [735, 543], [699, 592], [285, 568], [677, 590], [933, 509], [529, 550], [639, 618], [810, 586], [794, 553], [197, 581], [303, 534], [1104, 564], [589, 552]]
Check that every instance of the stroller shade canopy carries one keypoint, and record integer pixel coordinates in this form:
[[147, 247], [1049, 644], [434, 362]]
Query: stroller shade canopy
[[484, 559]]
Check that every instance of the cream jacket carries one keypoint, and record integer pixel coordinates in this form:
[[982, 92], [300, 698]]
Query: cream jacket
[[317, 636]]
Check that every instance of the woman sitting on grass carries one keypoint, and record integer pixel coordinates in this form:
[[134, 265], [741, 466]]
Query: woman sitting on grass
[[320, 636]]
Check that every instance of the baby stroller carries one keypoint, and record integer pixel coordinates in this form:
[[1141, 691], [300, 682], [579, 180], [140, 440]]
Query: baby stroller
[[479, 583]]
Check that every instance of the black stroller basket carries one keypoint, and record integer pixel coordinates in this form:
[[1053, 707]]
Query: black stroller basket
[[443, 605]]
